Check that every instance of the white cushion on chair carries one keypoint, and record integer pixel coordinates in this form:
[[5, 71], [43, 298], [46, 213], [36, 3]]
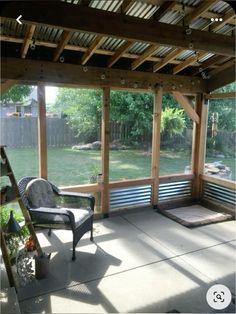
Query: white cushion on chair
[[40, 194], [80, 215]]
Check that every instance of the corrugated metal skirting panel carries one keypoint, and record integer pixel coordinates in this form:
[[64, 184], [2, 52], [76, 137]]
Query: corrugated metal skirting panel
[[174, 190], [216, 192], [130, 196]]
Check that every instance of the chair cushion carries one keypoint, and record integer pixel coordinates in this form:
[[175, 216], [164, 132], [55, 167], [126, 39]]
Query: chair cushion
[[40, 194], [80, 215]]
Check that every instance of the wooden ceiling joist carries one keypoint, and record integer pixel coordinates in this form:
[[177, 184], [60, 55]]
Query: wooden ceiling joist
[[27, 40], [119, 53], [94, 46], [65, 37], [186, 105], [32, 71], [206, 64], [76, 18], [222, 78], [147, 53], [187, 62], [224, 66], [172, 55], [203, 7], [164, 8]]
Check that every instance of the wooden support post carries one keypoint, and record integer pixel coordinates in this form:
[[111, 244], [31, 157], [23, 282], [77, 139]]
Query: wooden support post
[[199, 145], [105, 152], [156, 129], [42, 134]]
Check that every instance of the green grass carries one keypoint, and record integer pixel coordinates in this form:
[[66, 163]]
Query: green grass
[[70, 167]]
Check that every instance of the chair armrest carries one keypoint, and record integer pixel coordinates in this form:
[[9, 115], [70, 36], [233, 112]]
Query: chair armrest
[[84, 196], [53, 212]]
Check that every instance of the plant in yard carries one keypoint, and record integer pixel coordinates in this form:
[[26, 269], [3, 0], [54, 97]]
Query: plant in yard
[[172, 122], [95, 171]]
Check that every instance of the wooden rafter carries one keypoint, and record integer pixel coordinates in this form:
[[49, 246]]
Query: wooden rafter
[[6, 85], [206, 64], [187, 62], [203, 7], [172, 55], [94, 46], [222, 78], [27, 40], [147, 53], [65, 37], [164, 8], [226, 18], [224, 66], [76, 18], [119, 53], [186, 105]]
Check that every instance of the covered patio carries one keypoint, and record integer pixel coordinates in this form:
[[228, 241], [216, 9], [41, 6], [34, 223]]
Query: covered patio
[[140, 260]]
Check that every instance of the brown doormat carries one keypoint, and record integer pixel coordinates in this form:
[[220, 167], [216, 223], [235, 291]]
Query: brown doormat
[[195, 215]]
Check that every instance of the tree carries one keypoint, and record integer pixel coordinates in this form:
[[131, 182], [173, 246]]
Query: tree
[[16, 93], [82, 110], [172, 122]]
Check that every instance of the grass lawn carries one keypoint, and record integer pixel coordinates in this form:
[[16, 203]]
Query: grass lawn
[[68, 167]]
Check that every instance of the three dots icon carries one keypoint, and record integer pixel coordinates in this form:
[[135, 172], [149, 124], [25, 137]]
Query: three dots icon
[[216, 19]]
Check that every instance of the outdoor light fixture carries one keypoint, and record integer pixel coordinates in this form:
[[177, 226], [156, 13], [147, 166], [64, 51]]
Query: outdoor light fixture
[[85, 69], [33, 46], [103, 76], [188, 31], [12, 225], [62, 59]]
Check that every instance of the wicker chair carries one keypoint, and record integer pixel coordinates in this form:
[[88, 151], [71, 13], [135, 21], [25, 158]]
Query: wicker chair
[[56, 209]]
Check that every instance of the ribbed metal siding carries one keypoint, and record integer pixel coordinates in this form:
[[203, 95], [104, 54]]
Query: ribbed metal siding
[[130, 196], [215, 192], [174, 190]]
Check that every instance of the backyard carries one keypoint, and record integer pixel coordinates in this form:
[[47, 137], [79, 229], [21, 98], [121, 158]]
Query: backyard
[[71, 167]]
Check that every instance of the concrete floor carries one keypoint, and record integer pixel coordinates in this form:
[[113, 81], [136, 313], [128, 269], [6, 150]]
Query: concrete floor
[[140, 263]]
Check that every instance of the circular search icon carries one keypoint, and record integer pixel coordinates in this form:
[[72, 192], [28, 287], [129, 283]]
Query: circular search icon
[[218, 297]]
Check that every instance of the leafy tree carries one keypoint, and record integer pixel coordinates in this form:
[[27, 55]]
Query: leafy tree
[[82, 109], [16, 93]]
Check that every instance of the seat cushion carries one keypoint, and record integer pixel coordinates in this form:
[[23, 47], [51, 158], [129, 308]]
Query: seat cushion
[[40, 194], [80, 215]]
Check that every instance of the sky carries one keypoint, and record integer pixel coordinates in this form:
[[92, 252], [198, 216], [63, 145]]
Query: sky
[[51, 93]]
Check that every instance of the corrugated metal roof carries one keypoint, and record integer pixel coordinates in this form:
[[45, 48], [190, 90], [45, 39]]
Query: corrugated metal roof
[[172, 17], [108, 5], [138, 47], [199, 23], [185, 54], [209, 55], [112, 43], [220, 7], [192, 3], [162, 51], [12, 28], [225, 29], [82, 39]]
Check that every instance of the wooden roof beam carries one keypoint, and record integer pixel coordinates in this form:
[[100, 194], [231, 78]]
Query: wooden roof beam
[[221, 95], [147, 53], [172, 55], [119, 53], [94, 46], [86, 19], [71, 74], [226, 76], [203, 7], [65, 37], [27, 40], [186, 105]]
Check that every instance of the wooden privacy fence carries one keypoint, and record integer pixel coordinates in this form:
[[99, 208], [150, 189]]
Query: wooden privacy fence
[[22, 132]]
